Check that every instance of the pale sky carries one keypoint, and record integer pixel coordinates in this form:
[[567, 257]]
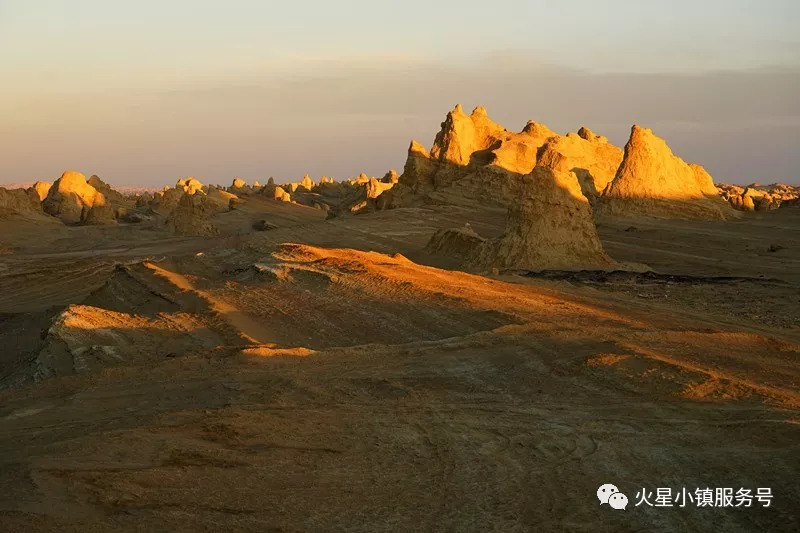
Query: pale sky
[[145, 92]]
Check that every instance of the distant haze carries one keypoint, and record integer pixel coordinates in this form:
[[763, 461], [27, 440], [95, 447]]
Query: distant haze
[[143, 93]]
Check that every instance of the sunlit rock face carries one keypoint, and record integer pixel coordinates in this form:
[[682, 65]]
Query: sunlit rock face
[[475, 161], [69, 195], [651, 180], [593, 160]]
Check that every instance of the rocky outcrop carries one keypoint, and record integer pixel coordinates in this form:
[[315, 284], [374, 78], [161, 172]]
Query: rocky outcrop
[[758, 197], [191, 216], [110, 196], [189, 185], [41, 188], [18, 202], [549, 227], [391, 177], [282, 195], [239, 187], [589, 156], [68, 197], [168, 199], [652, 181], [99, 214], [454, 242], [475, 161], [221, 200]]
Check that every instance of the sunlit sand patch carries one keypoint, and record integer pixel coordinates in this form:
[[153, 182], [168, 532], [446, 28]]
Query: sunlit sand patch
[[273, 351]]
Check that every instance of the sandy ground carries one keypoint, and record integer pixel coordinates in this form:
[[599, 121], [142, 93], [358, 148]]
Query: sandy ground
[[351, 381]]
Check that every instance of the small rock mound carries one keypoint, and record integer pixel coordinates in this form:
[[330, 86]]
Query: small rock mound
[[191, 216], [240, 187], [549, 227], [459, 242], [264, 225], [189, 185], [282, 195]]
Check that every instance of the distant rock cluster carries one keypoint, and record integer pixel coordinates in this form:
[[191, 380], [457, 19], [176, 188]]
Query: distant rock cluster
[[553, 187], [757, 197], [475, 161], [71, 198]]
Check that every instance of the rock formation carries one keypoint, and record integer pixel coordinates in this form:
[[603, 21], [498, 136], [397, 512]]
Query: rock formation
[[18, 201], [282, 195], [549, 227], [589, 156], [391, 177], [652, 181], [361, 179], [457, 242], [191, 216], [68, 197], [221, 200], [189, 185], [42, 188], [100, 213], [759, 197], [475, 161], [168, 199]]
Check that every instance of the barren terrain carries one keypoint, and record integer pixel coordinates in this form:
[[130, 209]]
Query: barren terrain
[[334, 375]]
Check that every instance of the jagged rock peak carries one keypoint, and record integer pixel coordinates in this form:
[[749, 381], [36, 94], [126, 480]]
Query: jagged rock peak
[[537, 129], [417, 148]]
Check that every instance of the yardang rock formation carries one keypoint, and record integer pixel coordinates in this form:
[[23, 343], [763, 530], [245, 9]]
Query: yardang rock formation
[[549, 227], [652, 181]]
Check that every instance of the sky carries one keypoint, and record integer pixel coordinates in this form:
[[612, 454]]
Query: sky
[[142, 93]]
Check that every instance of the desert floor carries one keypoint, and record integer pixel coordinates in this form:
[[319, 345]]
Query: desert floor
[[332, 375]]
